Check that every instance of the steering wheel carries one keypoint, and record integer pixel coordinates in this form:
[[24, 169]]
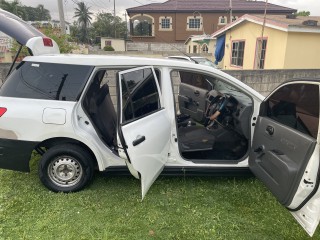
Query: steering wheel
[[215, 108]]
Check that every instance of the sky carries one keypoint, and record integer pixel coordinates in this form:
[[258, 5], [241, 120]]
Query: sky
[[107, 6]]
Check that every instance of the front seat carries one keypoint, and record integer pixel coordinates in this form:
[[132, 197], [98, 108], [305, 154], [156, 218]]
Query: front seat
[[106, 119]]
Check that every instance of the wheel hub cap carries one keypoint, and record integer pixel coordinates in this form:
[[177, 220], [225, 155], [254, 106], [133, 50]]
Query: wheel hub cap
[[65, 171]]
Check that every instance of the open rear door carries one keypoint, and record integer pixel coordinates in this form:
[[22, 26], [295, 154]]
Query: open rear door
[[285, 150], [143, 127], [26, 34]]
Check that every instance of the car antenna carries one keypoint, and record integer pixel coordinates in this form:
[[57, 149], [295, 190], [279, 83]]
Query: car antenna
[[177, 49]]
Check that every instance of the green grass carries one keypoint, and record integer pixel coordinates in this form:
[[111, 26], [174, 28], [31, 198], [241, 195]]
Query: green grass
[[174, 208]]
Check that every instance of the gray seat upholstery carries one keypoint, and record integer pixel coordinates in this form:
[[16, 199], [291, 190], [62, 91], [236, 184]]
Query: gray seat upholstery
[[105, 118]]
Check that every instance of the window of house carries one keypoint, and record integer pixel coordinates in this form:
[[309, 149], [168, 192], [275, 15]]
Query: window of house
[[260, 53], [194, 23], [234, 18], [290, 106], [165, 23], [108, 43], [195, 49], [237, 53], [205, 48], [223, 20]]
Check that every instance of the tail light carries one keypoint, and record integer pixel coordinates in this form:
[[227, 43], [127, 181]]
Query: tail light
[[2, 111], [47, 42]]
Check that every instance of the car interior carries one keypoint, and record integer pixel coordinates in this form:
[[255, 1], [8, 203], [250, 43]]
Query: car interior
[[203, 140], [199, 96], [100, 109]]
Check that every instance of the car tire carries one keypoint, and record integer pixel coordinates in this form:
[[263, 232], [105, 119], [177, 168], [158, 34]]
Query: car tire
[[66, 168]]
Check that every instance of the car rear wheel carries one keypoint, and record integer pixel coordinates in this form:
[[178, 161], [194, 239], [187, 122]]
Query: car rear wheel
[[66, 168]]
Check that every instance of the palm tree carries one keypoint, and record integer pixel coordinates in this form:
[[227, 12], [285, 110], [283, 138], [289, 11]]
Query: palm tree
[[84, 20]]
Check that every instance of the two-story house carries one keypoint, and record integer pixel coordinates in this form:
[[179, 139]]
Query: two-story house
[[175, 20]]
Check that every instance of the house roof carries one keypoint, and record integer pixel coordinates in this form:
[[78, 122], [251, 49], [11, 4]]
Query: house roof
[[238, 6], [279, 22], [199, 38]]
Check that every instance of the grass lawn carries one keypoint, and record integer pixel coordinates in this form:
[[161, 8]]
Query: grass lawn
[[174, 208]]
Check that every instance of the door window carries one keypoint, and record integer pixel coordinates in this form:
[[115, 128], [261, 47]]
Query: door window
[[296, 106], [140, 95]]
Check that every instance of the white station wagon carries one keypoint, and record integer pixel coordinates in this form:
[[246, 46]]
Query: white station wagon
[[83, 113]]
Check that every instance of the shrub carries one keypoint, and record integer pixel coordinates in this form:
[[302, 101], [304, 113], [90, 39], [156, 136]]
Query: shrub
[[108, 48]]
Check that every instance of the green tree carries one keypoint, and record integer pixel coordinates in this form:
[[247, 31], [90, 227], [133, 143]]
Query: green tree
[[40, 13], [84, 18], [303, 13], [61, 40], [106, 25], [14, 7]]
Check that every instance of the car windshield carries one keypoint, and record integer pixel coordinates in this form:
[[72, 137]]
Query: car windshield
[[204, 61]]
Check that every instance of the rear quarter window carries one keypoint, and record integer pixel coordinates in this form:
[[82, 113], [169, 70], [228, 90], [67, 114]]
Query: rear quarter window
[[46, 81]]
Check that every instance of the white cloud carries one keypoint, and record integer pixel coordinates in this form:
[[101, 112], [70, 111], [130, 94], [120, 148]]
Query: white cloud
[[301, 5]]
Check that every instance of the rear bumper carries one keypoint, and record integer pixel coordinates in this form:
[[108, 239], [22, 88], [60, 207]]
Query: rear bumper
[[15, 154]]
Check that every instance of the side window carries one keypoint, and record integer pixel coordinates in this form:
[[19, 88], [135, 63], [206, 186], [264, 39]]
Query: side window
[[296, 106], [46, 81], [196, 80], [140, 94]]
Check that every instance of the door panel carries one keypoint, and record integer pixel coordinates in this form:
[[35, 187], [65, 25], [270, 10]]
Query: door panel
[[192, 101], [144, 126], [279, 158], [148, 143], [285, 149]]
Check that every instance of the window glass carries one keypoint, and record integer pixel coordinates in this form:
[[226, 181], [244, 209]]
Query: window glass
[[261, 53], [140, 95], [296, 106], [46, 81], [237, 53], [196, 79], [194, 23], [165, 23]]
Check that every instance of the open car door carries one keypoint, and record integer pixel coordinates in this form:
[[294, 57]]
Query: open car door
[[143, 126], [26, 35], [285, 149]]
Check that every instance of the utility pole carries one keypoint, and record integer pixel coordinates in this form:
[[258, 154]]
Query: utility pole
[[114, 18], [126, 33], [230, 6], [61, 16]]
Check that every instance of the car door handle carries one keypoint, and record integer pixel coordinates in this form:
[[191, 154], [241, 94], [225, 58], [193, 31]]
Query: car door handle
[[196, 92], [259, 149], [270, 130], [139, 140]]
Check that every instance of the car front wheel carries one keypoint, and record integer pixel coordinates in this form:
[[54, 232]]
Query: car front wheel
[[66, 168]]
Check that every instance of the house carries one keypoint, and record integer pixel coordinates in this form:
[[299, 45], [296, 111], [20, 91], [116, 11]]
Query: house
[[175, 20], [51, 24], [200, 44], [117, 44], [5, 47], [273, 42]]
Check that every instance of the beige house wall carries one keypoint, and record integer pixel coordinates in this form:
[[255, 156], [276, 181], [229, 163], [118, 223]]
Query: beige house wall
[[250, 32], [303, 51], [117, 44], [211, 47]]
